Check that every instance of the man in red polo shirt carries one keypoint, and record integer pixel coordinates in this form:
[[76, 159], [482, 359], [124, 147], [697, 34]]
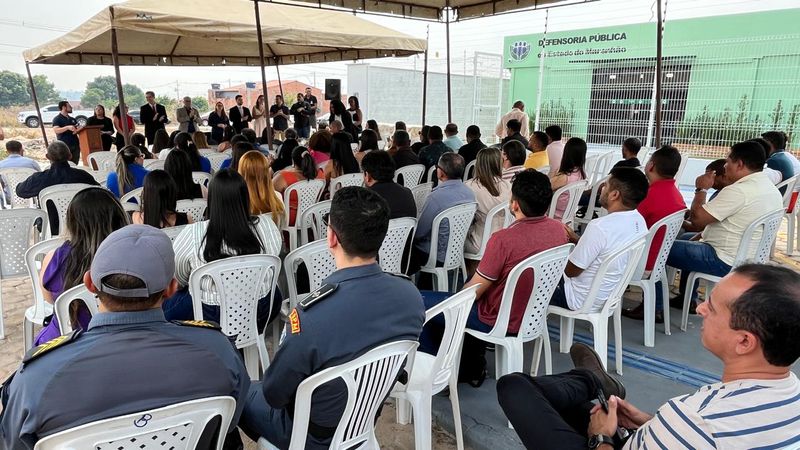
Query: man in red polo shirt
[[663, 198]]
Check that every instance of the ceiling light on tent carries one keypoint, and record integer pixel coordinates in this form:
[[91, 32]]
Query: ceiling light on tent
[[224, 61], [164, 59], [612, 77]]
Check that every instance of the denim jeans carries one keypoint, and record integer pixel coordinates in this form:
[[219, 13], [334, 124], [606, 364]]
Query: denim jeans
[[692, 256], [433, 330]]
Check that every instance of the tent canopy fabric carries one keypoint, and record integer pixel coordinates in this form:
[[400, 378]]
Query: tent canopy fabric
[[432, 9], [214, 33]]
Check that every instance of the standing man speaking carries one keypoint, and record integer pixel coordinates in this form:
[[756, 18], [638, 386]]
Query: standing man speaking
[[153, 116]]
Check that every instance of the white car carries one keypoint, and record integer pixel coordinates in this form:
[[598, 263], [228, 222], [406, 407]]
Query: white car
[[49, 112]]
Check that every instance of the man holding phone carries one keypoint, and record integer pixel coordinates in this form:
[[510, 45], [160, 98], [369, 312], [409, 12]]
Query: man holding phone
[[750, 322]]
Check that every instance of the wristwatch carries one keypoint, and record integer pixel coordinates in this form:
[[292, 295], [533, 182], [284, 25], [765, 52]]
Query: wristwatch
[[698, 190], [599, 439]]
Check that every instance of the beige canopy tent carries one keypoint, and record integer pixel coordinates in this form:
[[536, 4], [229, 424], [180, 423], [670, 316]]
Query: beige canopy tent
[[214, 33]]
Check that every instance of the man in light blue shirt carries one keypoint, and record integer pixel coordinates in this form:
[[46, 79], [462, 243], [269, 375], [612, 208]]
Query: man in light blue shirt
[[451, 137], [450, 192], [16, 160]]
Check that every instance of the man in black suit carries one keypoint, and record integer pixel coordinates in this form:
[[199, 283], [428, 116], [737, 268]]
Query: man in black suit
[[153, 116], [240, 115]]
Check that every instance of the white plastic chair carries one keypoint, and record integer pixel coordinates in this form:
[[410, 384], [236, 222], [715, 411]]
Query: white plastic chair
[[216, 160], [348, 179], [601, 167], [60, 196], [547, 267], [789, 184], [793, 230], [312, 221], [431, 174], [11, 178], [177, 427], [395, 243], [671, 225], [319, 264], [431, 374], [308, 192], [134, 194], [154, 164], [18, 230], [750, 250], [412, 175], [591, 207], [368, 378], [103, 161], [458, 219], [421, 193], [201, 178], [597, 311], [173, 232], [469, 171], [681, 168], [488, 229], [36, 314], [61, 305], [238, 283], [194, 208], [573, 191]]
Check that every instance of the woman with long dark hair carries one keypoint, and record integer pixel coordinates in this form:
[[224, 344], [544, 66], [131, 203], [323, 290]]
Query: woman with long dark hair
[[160, 141], [239, 149], [303, 168], [218, 121], [342, 159], [355, 112], [92, 215], [284, 158], [129, 173], [229, 231], [107, 132], [490, 190], [368, 142], [139, 141], [158, 202], [423, 139], [340, 113], [372, 124], [179, 167], [570, 171], [117, 119], [200, 163]]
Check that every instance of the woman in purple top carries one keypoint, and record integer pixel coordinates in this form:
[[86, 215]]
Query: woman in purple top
[[93, 214]]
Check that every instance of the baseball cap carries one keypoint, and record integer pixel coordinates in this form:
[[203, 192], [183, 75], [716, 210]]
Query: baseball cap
[[140, 251]]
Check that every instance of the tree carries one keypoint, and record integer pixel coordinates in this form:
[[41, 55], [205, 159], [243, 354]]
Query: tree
[[201, 103], [92, 97], [13, 89], [134, 96], [45, 90], [103, 91]]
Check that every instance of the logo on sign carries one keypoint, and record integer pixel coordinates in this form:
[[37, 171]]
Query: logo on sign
[[519, 50]]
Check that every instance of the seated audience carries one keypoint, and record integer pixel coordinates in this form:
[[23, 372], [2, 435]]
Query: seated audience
[[490, 190], [423, 139], [379, 176], [368, 142], [303, 168], [91, 216], [199, 140], [342, 160], [630, 153], [530, 199], [16, 160], [159, 200], [779, 166], [139, 141], [777, 141], [513, 128], [372, 124], [751, 324], [571, 171], [357, 225], [319, 147], [450, 192], [469, 151], [513, 158], [663, 198], [239, 149], [284, 154], [227, 135], [254, 168], [720, 181], [179, 168], [251, 136], [229, 231], [555, 148], [129, 173], [199, 162], [404, 153], [538, 146], [623, 192], [723, 220], [57, 386], [160, 142], [451, 137], [431, 153]]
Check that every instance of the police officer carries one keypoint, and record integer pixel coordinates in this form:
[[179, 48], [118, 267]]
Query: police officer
[[358, 307], [130, 359]]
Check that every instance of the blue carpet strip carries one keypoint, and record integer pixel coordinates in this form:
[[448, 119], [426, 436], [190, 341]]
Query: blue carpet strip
[[647, 363]]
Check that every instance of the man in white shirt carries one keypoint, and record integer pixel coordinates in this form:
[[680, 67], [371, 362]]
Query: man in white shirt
[[723, 220], [625, 189], [16, 160], [518, 113], [451, 137], [751, 323], [555, 149]]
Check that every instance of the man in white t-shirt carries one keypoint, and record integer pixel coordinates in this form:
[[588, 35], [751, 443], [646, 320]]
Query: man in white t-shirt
[[723, 220], [625, 189], [750, 323], [555, 149]]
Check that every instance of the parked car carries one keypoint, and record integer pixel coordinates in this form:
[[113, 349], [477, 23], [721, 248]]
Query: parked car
[[49, 112], [204, 118], [135, 115]]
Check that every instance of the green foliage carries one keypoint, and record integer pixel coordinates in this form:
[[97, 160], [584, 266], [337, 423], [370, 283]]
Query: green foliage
[[103, 91], [45, 90], [13, 90], [555, 112], [201, 103]]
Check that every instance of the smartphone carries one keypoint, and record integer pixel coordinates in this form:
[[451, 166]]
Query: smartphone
[[601, 398]]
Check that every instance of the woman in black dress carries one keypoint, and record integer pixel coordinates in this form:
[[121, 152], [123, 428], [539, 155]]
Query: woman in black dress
[[107, 132], [218, 121]]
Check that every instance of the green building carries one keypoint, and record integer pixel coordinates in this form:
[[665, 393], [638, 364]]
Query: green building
[[725, 79]]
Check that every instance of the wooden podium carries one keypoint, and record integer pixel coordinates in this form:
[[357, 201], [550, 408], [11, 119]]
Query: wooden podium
[[91, 141]]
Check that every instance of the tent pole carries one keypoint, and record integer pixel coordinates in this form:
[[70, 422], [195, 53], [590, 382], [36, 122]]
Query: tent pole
[[280, 83], [447, 37], [36, 104], [263, 69], [115, 58], [659, 38], [425, 76]]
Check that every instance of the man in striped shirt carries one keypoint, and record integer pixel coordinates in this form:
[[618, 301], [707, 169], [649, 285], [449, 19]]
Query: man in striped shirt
[[751, 322]]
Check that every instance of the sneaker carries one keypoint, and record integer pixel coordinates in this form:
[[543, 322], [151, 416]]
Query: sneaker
[[584, 357]]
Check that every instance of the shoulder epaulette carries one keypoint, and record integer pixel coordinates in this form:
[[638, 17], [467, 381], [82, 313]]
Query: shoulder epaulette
[[312, 298], [198, 324], [50, 345], [399, 275]]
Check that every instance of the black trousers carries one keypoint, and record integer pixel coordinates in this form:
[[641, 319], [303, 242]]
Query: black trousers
[[549, 412]]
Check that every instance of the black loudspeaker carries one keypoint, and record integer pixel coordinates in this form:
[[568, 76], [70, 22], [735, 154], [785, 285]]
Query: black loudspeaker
[[333, 89]]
